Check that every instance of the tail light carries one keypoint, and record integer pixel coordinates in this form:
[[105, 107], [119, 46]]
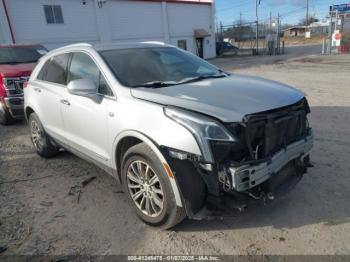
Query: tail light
[[25, 84], [14, 85], [2, 88]]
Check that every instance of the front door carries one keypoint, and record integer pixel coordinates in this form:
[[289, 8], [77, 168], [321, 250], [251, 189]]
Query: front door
[[86, 119], [199, 43]]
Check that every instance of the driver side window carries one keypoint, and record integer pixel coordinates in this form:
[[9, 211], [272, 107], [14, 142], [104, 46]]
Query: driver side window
[[83, 67]]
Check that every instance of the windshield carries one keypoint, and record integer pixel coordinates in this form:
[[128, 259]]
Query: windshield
[[16, 55], [141, 66]]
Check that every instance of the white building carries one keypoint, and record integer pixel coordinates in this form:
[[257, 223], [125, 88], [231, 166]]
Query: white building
[[185, 23]]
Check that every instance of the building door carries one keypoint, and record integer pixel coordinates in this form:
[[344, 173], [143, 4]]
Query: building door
[[199, 44]]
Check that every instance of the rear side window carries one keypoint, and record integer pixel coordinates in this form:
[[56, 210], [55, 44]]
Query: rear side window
[[83, 67], [55, 70]]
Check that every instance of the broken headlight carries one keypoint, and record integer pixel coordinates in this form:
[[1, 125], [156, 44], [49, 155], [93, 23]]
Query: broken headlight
[[203, 128]]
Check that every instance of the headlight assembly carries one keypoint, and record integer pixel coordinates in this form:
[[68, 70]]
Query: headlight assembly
[[203, 128]]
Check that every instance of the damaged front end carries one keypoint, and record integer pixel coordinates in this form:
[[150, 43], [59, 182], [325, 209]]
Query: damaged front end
[[267, 159]]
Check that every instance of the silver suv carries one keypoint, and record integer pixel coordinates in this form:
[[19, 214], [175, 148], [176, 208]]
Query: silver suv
[[182, 136]]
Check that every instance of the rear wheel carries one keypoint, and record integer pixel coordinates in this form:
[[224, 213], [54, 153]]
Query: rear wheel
[[41, 140], [148, 188]]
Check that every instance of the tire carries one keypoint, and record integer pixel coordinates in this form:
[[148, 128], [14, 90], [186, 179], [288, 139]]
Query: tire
[[5, 117], [41, 140], [165, 215]]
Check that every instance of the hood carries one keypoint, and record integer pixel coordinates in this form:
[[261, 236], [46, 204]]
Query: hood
[[228, 99], [24, 69]]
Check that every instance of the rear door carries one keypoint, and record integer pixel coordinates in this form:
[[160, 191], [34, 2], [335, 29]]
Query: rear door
[[49, 88], [86, 119]]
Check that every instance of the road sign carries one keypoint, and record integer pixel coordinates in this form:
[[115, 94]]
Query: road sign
[[336, 38], [344, 8]]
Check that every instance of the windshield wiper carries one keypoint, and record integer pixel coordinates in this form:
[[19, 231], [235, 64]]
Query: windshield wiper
[[17, 62], [157, 84], [199, 78]]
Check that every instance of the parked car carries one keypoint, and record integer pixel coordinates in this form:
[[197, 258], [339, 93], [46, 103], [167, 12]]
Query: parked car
[[226, 48], [16, 64], [179, 134]]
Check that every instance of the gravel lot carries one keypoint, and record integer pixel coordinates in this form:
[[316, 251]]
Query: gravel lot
[[56, 215]]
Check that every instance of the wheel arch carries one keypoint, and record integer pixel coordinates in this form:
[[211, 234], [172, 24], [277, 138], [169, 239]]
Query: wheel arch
[[129, 138], [27, 111]]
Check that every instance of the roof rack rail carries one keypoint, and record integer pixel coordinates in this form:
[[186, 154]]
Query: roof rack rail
[[73, 45], [153, 42]]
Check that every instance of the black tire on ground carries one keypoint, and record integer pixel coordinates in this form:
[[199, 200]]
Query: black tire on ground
[[41, 140], [5, 117], [171, 214]]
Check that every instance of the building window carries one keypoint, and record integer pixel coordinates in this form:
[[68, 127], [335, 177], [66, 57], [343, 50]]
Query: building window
[[182, 44], [53, 14]]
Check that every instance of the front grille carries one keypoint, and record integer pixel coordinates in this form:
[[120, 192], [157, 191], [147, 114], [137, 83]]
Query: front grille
[[263, 134], [14, 85], [268, 132], [266, 137]]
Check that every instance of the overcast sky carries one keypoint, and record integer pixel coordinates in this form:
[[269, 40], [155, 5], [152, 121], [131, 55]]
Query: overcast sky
[[291, 10]]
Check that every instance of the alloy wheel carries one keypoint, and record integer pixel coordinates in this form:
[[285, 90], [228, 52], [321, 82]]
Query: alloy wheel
[[145, 188], [36, 134]]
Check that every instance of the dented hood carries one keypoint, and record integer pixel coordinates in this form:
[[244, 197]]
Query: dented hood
[[228, 99]]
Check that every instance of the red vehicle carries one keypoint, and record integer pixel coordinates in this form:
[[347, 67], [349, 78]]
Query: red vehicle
[[16, 65]]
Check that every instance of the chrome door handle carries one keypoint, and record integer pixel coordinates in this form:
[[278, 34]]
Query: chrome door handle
[[37, 89], [65, 102]]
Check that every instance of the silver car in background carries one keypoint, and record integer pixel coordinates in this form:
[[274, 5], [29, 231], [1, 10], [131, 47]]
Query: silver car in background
[[179, 134]]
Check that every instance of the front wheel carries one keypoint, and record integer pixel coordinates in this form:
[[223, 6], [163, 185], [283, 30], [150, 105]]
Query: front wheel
[[41, 140], [148, 188]]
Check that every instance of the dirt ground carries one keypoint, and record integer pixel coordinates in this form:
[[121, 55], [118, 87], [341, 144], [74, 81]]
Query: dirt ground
[[53, 213]]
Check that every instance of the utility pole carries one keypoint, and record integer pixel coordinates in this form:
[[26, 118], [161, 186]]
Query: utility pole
[[307, 13], [270, 22], [257, 2], [240, 30], [221, 32], [330, 32], [278, 35]]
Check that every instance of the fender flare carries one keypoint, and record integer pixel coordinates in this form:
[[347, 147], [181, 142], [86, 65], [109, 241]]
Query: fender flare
[[29, 105], [149, 142]]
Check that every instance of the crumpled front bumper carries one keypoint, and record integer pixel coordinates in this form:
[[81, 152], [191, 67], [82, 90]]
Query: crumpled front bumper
[[248, 176]]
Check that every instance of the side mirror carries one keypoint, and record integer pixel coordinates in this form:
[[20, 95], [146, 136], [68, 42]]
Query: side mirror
[[82, 87]]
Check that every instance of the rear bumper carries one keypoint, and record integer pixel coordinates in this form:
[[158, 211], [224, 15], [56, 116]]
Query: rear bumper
[[15, 106]]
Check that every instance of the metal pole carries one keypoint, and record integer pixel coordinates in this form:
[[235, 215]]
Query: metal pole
[[336, 20], [257, 27], [329, 47], [221, 32], [278, 34], [307, 13], [324, 46], [240, 29]]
